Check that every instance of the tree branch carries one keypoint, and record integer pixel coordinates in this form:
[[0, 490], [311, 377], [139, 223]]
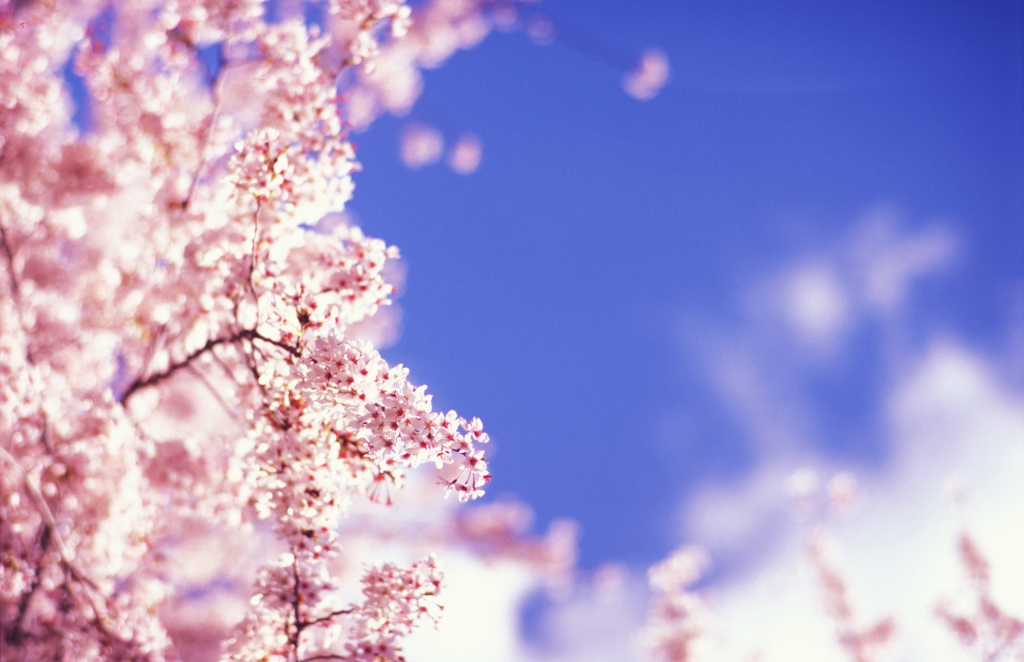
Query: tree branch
[[211, 120], [156, 378], [15, 286], [324, 619], [294, 640], [16, 634], [44, 511]]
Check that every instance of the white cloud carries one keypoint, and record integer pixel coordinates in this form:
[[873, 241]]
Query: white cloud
[[816, 304], [944, 410], [802, 318], [886, 262], [599, 621], [897, 552], [481, 613], [594, 621], [734, 517]]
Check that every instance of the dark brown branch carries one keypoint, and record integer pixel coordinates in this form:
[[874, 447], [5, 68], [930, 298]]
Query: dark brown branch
[[295, 604], [71, 570], [300, 624], [73, 575], [16, 635], [324, 619], [250, 363], [156, 378], [15, 287]]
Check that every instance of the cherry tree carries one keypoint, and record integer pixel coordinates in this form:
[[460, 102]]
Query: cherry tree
[[187, 327]]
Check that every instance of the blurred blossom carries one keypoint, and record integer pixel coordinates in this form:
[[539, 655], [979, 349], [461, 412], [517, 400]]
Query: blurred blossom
[[955, 488], [421, 145], [650, 75], [382, 329], [983, 628], [505, 17], [682, 569], [540, 30], [609, 580], [862, 643], [842, 492], [678, 619], [802, 486], [465, 155], [433, 32]]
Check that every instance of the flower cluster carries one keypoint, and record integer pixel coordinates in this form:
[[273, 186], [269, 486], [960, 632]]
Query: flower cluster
[[860, 643], [175, 322], [437, 31], [987, 629], [677, 623], [284, 626], [497, 530], [395, 601]]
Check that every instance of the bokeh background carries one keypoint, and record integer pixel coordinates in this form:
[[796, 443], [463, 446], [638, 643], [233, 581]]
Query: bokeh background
[[806, 251]]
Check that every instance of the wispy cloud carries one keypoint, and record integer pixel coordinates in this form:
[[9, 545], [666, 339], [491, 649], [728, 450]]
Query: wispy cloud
[[800, 323]]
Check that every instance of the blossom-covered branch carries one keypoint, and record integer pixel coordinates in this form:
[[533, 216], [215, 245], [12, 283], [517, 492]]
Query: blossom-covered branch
[[165, 242], [986, 630]]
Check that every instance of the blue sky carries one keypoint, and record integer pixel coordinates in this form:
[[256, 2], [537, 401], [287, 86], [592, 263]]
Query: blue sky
[[564, 291], [807, 251]]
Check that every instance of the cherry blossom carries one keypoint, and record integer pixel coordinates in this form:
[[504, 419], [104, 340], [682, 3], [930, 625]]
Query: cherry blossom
[[678, 619], [984, 628], [465, 155], [650, 75], [176, 340], [861, 643]]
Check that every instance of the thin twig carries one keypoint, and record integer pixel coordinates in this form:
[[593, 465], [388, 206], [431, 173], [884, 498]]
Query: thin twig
[[44, 511], [15, 286], [17, 633], [324, 619], [295, 604], [15, 290], [230, 411], [211, 120]]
